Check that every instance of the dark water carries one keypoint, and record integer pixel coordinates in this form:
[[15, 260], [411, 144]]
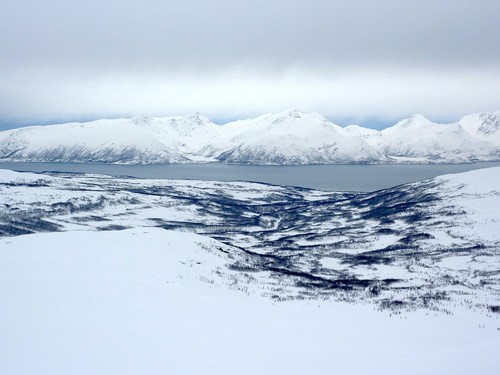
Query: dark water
[[324, 177]]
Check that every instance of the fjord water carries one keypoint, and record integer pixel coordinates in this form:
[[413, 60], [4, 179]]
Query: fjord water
[[337, 177]]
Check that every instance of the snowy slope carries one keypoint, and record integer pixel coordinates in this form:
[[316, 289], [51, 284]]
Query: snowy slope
[[477, 194], [361, 132], [417, 137], [151, 301], [419, 245], [289, 137], [138, 140], [484, 126], [96, 300]]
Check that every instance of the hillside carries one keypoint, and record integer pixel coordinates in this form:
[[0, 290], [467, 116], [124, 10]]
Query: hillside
[[285, 138]]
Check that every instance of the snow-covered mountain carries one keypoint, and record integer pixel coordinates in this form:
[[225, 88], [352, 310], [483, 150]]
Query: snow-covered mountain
[[417, 137], [484, 126], [361, 132], [290, 137], [139, 140]]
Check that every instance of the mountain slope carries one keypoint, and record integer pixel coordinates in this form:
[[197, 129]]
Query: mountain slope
[[289, 137], [417, 137], [147, 300], [485, 126], [138, 140]]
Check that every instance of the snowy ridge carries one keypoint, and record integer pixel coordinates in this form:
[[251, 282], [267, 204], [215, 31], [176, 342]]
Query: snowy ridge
[[138, 140], [417, 137], [485, 126], [290, 137]]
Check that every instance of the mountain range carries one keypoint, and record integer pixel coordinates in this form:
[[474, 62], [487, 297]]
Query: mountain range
[[285, 138]]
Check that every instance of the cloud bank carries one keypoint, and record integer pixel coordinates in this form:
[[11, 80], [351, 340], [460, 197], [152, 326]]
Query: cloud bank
[[349, 60]]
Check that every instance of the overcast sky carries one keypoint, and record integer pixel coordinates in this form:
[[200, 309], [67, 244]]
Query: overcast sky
[[356, 61]]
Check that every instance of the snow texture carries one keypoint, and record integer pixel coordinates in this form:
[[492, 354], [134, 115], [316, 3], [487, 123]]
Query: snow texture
[[285, 138], [109, 275], [152, 301]]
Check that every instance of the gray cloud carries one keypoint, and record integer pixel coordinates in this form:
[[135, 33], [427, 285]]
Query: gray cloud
[[374, 58]]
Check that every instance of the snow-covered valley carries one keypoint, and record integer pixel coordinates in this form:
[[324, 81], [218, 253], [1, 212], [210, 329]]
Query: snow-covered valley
[[286, 138], [121, 275]]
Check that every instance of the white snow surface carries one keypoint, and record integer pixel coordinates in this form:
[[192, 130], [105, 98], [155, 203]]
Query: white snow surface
[[417, 137], [484, 126], [138, 140], [477, 193], [289, 137], [151, 301], [147, 300]]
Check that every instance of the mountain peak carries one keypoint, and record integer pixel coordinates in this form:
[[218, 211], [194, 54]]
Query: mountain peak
[[198, 118], [142, 120], [482, 124], [294, 115], [417, 117], [490, 124], [414, 120], [288, 137]]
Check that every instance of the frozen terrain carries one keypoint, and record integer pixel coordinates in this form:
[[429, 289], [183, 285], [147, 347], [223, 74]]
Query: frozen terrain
[[426, 244], [124, 276], [285, 138]]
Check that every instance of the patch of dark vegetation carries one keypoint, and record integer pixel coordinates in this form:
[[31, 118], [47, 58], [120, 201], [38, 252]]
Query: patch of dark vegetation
[[386, 231], [366, 260], [128, 200], [9, 230], [91, 218], [393, 304], [37, 183], [430, 298], [25, 224], [386, 222], [309, 281], [415, 237], [449, 213], [238, 266], [479, 246], [402, 249], [384, 211], [388, 204], [73, 206], [157, 220], [44, 226], [218, 248], [113, 227], [379, 198], [450, 280], [416, 217], [494, 309]]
